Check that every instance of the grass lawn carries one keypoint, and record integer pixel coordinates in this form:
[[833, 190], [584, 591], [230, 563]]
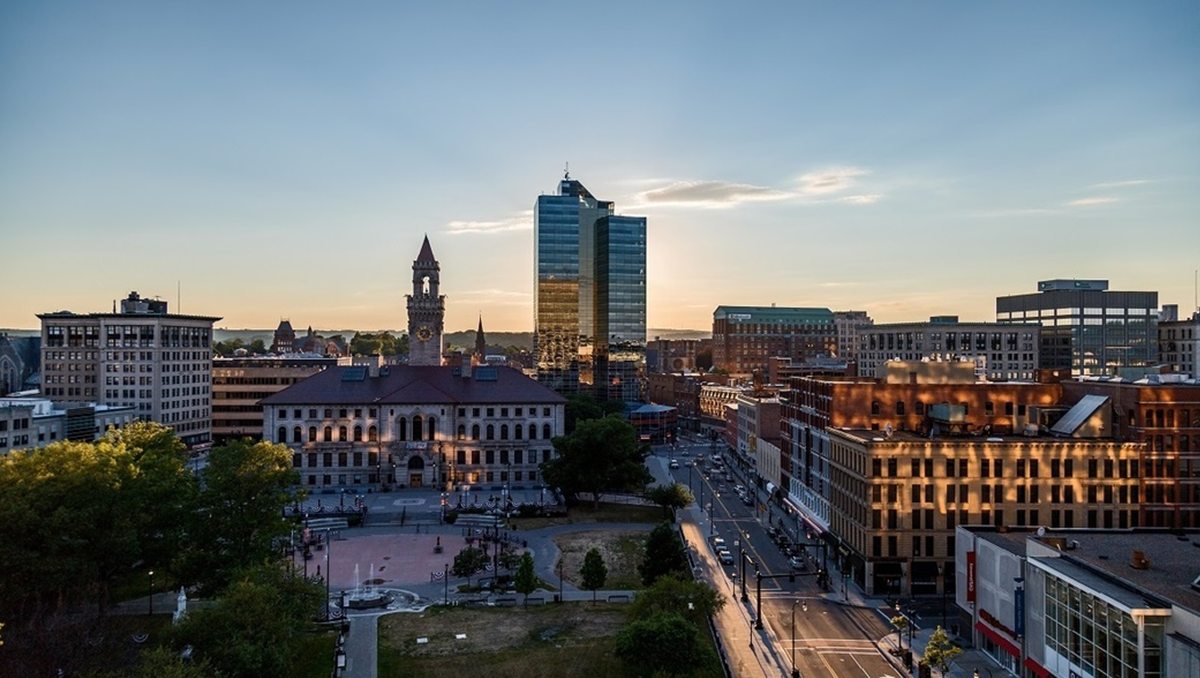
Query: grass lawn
[[566, 640], [607, 513], [622, 551]]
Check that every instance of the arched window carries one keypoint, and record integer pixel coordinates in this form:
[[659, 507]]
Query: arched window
[[372, 434], [517, 431], [312, 434], [416, 429], [341, 434], [282, 437], [900, 408], [475, 432], [297, 435], [462, 431], [358, 434], [403, 429], [546, 432], [533, 431], [874, 408], [491, 432], [430, 428], [328, 434], [503, 431]]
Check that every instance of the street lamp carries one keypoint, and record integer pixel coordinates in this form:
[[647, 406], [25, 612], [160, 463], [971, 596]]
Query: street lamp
[[151, 599], [803, 608], [339, 656]]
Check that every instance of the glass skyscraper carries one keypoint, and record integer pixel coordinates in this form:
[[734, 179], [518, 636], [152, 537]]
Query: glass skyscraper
[[590, 295]]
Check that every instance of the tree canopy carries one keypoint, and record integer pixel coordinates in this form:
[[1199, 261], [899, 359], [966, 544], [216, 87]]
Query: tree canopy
[[468, 561], [663, 645], [383, 343], [601, 455], [671, 593], [582, 407], [594, 572], [665, 554], [940, 652], [671, 497], [525, 581]]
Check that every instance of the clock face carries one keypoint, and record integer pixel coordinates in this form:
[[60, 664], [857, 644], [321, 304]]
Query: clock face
[[424, 333]]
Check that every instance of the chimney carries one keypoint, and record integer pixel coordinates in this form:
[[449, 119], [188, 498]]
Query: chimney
[[374, 362], [1140, 561], [466, 366]]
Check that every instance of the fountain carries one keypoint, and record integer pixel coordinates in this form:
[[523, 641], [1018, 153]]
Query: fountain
[[365, 597]]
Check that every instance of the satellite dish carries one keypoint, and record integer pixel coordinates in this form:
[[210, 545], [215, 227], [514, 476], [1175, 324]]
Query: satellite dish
[[1041, 532]]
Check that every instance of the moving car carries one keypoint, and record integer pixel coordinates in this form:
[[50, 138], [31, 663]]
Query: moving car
[[798, 563], [726, 557], [674, 464]]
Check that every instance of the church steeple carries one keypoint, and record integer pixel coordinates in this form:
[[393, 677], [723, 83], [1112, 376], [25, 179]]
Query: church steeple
[[480, 343], [426, 310]]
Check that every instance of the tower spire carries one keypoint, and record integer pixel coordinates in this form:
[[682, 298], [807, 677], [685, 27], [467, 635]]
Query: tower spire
[[426, 251], [480, 342]]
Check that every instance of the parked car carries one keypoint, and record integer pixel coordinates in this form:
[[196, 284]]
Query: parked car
[[718, 543], [674, 464], [798, 563], [747, 500]]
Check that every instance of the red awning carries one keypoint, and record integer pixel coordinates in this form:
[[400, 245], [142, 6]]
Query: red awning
[[1037, 668], [1007, 645]]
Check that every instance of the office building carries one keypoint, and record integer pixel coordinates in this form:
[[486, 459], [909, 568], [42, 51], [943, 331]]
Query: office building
[[590, 296], [849, 324], [1086, 328], [897, 499], [20, 358], [238, 384], [1102, 604], [143, 357], [746, 337], [1179, 341], [378, 426], [1001, 352]]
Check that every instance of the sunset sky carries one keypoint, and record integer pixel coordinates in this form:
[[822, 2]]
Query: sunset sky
[[284, 160]]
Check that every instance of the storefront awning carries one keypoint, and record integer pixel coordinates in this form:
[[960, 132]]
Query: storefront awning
[[1006, 644], [1037, 668]]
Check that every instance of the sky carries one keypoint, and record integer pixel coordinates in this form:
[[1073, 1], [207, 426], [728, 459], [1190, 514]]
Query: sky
[[260, 161]]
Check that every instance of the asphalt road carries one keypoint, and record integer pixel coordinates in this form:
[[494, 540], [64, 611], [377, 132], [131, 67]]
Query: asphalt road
[[832, 640]]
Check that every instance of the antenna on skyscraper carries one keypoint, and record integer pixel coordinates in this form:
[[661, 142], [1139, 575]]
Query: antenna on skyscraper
[[567, 170]]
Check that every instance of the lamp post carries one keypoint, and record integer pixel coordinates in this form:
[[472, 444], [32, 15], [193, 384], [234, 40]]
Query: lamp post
[[446, 585], [151, 598], [328, 571], [803, 608], [339, 658]]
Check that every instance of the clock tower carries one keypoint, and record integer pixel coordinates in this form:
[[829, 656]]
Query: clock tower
[[426, 310]]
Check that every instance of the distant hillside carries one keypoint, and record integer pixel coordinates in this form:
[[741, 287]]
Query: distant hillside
[[666, 333], [14, 333]]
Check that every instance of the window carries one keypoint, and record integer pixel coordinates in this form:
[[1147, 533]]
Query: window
[[949, 468], [962, 468], [998, 467], [874, 408], [1033, 468], [916, 468], [892, 472], [418, 428], [533, 431], [876, 467], [987, 494], [328, 434], [899, 408], [462, 432], [281, 435], [503, 431], [916, 494], [358, 434], [431, 429], [475, 432], [989, 409], [491, 432], [297, 435], [341, 434], [517, 431], [403, 429], [312, 434], [373, 434], [546, 432]]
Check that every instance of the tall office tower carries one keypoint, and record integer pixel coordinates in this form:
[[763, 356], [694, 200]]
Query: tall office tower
[[143, 357], [426, 311], [1085, 327], [849, 324], [590, 298]]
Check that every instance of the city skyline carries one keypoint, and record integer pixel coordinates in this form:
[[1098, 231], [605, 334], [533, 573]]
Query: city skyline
[[906, 161]]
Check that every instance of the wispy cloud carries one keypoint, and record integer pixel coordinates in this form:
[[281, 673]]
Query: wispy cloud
[[519, 222], [1119, 184], [839, 284], [833, 180], [811, 188], [1089, 202], [710, 194], [494, 296]]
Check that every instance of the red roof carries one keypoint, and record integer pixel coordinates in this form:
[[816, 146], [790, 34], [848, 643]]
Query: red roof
[[408, 385]]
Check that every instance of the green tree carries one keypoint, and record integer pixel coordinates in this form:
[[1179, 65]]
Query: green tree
[[525, 580], [601, 455], [664, 554], [670, 497], [594, 572], [663, 645], [164, 662], [671, 593], [257, 347], [940, 652], [900, 623], [239, 520], [468, 561], [580, 407], [256, 624]]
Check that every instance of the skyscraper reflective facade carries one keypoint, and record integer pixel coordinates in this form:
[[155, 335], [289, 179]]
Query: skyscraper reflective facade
[[590, 295]]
